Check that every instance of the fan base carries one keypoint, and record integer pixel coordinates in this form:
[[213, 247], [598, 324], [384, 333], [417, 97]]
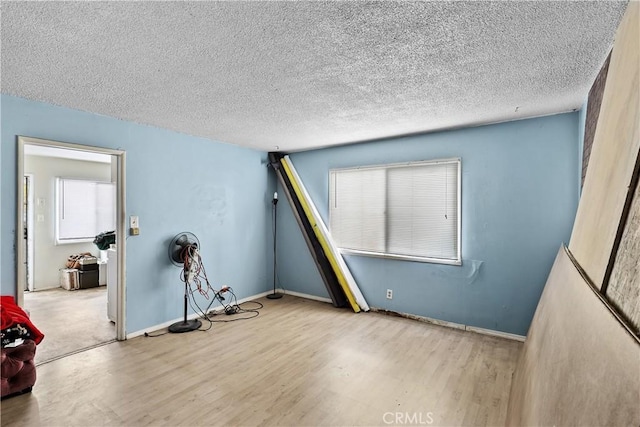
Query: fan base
[[182, 326], [274, 296]]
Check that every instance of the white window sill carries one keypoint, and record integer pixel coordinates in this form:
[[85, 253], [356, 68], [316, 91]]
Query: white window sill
[[74, 241], [402, 257]]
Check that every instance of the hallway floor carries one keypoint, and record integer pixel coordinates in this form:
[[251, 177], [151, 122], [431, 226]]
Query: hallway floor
[[70, 320]]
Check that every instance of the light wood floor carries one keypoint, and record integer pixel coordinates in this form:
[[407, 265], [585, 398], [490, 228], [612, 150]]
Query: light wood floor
[[69, 320], [300, 362]]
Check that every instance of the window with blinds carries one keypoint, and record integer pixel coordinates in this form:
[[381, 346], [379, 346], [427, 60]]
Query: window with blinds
[[84, 209], [408, 211]]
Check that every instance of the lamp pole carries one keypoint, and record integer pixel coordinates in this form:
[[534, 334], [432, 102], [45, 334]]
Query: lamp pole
[[275, 295]]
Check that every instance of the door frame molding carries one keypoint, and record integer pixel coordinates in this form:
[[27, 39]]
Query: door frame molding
[[120, 157], [30, 215]]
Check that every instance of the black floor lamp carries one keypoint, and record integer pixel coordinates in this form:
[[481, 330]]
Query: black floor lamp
[[274, 295]]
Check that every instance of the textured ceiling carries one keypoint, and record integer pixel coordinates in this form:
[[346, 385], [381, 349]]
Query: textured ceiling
[[299, 75]]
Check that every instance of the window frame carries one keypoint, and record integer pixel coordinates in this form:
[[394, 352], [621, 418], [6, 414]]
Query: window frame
[[426, 259], [59, 180]]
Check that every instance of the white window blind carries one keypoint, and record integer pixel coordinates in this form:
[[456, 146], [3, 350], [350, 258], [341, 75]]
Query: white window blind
[[84, 209], [358, 212], [404, 211]]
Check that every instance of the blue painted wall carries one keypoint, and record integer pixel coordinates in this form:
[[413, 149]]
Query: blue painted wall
[[519, 200], [175, 182]]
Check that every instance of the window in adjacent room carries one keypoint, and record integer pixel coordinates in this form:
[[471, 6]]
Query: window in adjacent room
[[84, 209], [407, 211]]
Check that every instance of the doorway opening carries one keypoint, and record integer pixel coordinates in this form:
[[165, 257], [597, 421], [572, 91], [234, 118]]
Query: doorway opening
[[91, 312]]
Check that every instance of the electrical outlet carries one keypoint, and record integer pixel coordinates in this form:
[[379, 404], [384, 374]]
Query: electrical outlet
[[389, 294]]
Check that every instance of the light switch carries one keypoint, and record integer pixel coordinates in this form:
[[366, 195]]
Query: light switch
[[134, 225], [40, 218], [40, 201]]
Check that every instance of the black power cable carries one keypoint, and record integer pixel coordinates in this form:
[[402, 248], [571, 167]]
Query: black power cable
[[235, 308], [198, 273]]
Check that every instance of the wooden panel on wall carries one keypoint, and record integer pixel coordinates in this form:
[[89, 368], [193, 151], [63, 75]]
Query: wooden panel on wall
[[624, 286], [613, 155], [593, 112], [579, 365]]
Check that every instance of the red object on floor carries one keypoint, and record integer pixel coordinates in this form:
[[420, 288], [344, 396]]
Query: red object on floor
[[12, 315]]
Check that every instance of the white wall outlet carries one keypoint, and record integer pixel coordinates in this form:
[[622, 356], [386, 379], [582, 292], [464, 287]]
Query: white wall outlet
[[389, 294], [40, 218]]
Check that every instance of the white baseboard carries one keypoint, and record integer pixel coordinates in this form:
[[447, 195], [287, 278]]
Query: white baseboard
[[154, 328], [499, 334], [453, 325]]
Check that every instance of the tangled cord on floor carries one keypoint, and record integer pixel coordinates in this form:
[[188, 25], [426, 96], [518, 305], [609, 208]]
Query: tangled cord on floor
[[194, 274], [231, 308]]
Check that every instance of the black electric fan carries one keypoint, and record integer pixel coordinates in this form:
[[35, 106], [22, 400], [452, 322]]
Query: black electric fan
[[183, 252]]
